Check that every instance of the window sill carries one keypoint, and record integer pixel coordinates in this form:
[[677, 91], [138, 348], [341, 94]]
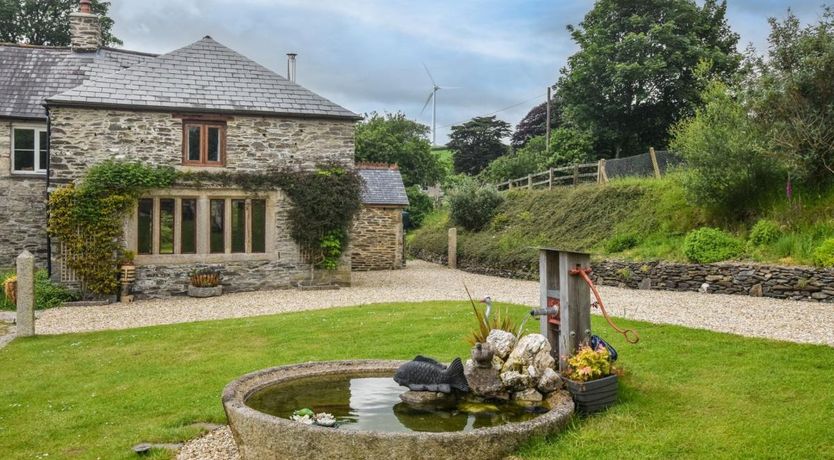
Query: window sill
[[25, 175], [183, 259]]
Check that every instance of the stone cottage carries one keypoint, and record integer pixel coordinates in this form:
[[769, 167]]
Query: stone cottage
[[202, 107]]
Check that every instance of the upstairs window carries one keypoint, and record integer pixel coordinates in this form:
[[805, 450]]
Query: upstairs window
[[29, 150], [203, 143]]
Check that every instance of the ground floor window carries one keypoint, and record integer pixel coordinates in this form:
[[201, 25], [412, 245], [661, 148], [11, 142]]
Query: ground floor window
[[176, 225], [29, 149]]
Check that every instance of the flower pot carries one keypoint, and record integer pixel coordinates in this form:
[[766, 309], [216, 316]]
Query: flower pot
[[595, 395], [214, 291]]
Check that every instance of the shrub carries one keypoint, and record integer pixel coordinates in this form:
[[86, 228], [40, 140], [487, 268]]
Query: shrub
[[619, 243], [419, 205], [707, 245], [727, 169], [589, 364], [47, 293], [472, 206], [824, 254], [765, 232]]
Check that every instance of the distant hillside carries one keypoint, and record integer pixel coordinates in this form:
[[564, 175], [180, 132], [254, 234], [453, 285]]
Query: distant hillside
[[653, 213]]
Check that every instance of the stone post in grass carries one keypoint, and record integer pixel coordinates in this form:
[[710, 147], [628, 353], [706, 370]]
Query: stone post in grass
[[25, 294]]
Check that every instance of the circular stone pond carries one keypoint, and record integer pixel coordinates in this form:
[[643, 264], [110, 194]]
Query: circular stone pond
[[372, 421]]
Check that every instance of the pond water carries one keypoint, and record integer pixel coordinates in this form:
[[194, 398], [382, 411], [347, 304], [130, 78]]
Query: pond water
[[372, 403]]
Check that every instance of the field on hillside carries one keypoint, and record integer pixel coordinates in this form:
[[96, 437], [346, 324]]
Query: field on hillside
[[654, 214]]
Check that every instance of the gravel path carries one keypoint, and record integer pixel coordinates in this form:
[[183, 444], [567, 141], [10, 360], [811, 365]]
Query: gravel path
[[805, 322]]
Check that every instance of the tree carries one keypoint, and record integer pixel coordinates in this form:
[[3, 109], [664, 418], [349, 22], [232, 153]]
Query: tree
[[393, 138], [633, 76], [535, 123], [567, 147], [728, 170], [37, 22], [795, 102], [477, 142]]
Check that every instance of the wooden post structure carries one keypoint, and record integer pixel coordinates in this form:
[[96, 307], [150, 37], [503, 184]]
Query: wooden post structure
[[602, 176], [547, 129], [575, 175], [25, 316], [453, 248], [529, 181], [654, 162], [550, 179], [574, 305], [549, 296]]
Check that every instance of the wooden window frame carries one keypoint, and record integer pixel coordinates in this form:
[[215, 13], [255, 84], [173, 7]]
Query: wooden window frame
[[204, 127]]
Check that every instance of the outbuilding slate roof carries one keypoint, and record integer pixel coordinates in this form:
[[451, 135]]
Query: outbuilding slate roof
[[383, 185], [30, 74], [204, 76]]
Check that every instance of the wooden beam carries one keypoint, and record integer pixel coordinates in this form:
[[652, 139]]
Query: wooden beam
[[654, 162]]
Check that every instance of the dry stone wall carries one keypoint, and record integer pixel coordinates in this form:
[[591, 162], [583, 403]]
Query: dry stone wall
[[795, 283], [377, 239], [22, 209]]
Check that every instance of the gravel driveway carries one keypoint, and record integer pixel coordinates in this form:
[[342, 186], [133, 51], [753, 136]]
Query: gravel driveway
[[805, 322]]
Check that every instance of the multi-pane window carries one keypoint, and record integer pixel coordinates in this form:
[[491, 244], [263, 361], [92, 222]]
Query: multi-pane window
[[29, 150], [203, 144], [172, 225]]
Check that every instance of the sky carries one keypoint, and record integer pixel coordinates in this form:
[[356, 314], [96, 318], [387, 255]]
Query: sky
[[495, 56]]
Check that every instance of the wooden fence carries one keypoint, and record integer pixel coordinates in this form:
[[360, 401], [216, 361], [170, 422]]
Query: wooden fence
[[584, 173]]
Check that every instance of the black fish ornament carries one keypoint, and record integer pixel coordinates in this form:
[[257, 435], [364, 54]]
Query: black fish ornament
[[426, 374]]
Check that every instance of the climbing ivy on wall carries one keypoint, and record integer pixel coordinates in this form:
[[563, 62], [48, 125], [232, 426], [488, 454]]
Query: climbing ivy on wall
[[88, 217]]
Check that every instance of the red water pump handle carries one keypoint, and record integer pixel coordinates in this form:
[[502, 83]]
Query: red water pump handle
[[583, 273]]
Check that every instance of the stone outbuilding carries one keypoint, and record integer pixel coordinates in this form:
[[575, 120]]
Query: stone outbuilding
[[377, 240]]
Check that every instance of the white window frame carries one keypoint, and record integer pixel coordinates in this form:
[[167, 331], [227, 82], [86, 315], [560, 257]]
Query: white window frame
[[39, 168]]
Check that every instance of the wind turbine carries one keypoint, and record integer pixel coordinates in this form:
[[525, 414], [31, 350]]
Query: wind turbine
[[433, 99]]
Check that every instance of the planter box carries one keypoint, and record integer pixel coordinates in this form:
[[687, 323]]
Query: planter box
[[215, 291], [595, 395]]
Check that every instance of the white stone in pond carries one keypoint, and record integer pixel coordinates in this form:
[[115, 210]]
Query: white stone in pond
[[515, 381], [529, 394], [532, 349], [502, 341], [550, 381], [533, 373]]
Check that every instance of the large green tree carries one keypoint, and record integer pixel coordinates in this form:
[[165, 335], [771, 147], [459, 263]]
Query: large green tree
[[633, 76], [477, 142], [46, 22], [393, 138], [795, 100]]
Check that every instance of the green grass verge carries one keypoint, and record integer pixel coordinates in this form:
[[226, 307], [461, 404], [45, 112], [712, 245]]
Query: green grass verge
[[654, 213], [686, 393]]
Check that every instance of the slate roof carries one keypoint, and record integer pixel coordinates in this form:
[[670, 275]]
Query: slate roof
[[383, 185], [204, 76], [29, 74]]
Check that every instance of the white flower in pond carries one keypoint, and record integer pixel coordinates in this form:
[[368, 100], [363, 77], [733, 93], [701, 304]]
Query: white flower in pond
[[325, 419], [305, 419]]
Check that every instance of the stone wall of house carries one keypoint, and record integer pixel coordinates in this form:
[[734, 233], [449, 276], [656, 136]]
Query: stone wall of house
[[22, 208], [83, 137], [377, 239], [795, 283]]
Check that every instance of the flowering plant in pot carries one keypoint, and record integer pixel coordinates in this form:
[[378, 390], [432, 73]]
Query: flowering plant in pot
[[205, 282], [592, 379]]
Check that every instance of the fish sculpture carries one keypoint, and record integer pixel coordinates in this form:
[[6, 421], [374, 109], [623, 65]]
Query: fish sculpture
[[426, 374]]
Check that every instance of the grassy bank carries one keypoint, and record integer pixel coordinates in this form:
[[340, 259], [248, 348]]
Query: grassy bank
[[654, 214], [685, 393]]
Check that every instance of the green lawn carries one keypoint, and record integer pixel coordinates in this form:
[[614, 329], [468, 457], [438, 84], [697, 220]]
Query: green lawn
[[686, 393]]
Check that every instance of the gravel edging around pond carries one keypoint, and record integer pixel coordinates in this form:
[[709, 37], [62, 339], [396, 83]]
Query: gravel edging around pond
[[218, 444], [795, 321]]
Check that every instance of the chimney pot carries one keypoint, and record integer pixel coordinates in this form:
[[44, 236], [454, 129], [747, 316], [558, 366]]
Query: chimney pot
[[291, 66], [84, 6]]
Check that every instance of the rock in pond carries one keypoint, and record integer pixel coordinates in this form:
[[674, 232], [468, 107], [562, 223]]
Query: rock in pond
[[515, 381], [483, 382], [427, 398], [550, 381], [529, 395], [502, 341], [532, 349]]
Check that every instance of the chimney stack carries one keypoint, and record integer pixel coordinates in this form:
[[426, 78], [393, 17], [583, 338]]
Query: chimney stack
[[85, 28], [291, 66]]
